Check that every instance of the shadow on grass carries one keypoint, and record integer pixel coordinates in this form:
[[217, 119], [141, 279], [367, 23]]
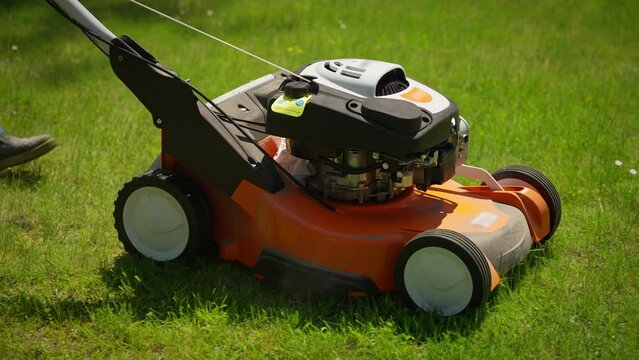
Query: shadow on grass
[[538, 255], [20, 178], [169, 290], [50, 33], [145, 290], [48, 26]]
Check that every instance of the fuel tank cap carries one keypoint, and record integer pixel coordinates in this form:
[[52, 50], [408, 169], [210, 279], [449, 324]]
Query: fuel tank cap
[[296, 89]]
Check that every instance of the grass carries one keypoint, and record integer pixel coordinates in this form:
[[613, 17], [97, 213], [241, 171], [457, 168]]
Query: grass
[[549, 84]]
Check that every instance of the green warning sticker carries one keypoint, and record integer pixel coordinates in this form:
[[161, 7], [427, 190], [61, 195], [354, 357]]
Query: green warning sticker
[[290, 107]]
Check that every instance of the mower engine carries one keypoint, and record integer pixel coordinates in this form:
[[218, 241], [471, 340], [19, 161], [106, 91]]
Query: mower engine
[[369, 131], [362, 176]]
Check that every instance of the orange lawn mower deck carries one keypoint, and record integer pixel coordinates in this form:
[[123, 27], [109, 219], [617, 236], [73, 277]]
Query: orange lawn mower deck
[[333, 179]]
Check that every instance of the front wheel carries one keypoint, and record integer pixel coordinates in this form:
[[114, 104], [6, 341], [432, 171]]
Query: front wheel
[[520, 175], [161, 215], [442, 271]]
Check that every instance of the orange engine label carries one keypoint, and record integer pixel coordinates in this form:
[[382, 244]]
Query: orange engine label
[[417, 95]]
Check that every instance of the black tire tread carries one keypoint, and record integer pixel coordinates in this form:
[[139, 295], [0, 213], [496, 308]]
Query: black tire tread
[[196, 244], [462, 247], [542, 185]]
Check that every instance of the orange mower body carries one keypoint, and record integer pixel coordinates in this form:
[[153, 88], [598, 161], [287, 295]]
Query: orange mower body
[[335, 178]]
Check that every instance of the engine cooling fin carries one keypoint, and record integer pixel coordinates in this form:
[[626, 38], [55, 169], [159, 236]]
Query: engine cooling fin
[[391, 83]]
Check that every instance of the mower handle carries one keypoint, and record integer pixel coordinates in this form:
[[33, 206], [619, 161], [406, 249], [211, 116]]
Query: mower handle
[[77, 14]]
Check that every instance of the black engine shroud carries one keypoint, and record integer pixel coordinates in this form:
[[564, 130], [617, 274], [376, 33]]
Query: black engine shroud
[[334, 120]]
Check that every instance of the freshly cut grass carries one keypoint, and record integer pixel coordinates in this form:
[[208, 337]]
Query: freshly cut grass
[[548, 84]]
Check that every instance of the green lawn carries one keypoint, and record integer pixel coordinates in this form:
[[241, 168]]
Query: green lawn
[[550, 84]]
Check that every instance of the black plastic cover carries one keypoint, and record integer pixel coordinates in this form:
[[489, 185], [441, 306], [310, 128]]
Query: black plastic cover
[[400, 116], [333, 119], [206, 144], [300, 277]]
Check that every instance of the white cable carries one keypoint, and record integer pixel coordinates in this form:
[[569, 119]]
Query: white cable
[[219, 40]]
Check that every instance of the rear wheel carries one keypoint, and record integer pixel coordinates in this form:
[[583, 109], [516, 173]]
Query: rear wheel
[[444, 272], [161, 215], [519, 175]]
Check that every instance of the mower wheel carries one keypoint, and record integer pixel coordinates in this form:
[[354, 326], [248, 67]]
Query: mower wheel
[[442, 271], [162, 216], [520, 175]]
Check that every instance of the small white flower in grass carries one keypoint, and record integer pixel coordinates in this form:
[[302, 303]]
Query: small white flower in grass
[[618, 162], [342, 25], [14, 47], [633, 171], [209, 13]]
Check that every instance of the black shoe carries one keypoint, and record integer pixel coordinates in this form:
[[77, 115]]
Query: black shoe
[[15, 150]]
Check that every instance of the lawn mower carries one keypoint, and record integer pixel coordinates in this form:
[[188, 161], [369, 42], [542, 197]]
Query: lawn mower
[[335, 178]]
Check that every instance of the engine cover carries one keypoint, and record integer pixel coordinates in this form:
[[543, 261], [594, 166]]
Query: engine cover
[[369, 131], [344, 112], [372, 78]]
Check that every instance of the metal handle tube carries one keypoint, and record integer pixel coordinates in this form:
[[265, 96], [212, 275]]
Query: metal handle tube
[[78, 13]]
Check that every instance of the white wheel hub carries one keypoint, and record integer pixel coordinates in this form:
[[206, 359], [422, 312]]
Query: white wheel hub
[[438, 280], [155, 223]]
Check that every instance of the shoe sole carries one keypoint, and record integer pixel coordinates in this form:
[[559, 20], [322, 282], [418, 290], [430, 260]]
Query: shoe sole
[[27, 156]]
